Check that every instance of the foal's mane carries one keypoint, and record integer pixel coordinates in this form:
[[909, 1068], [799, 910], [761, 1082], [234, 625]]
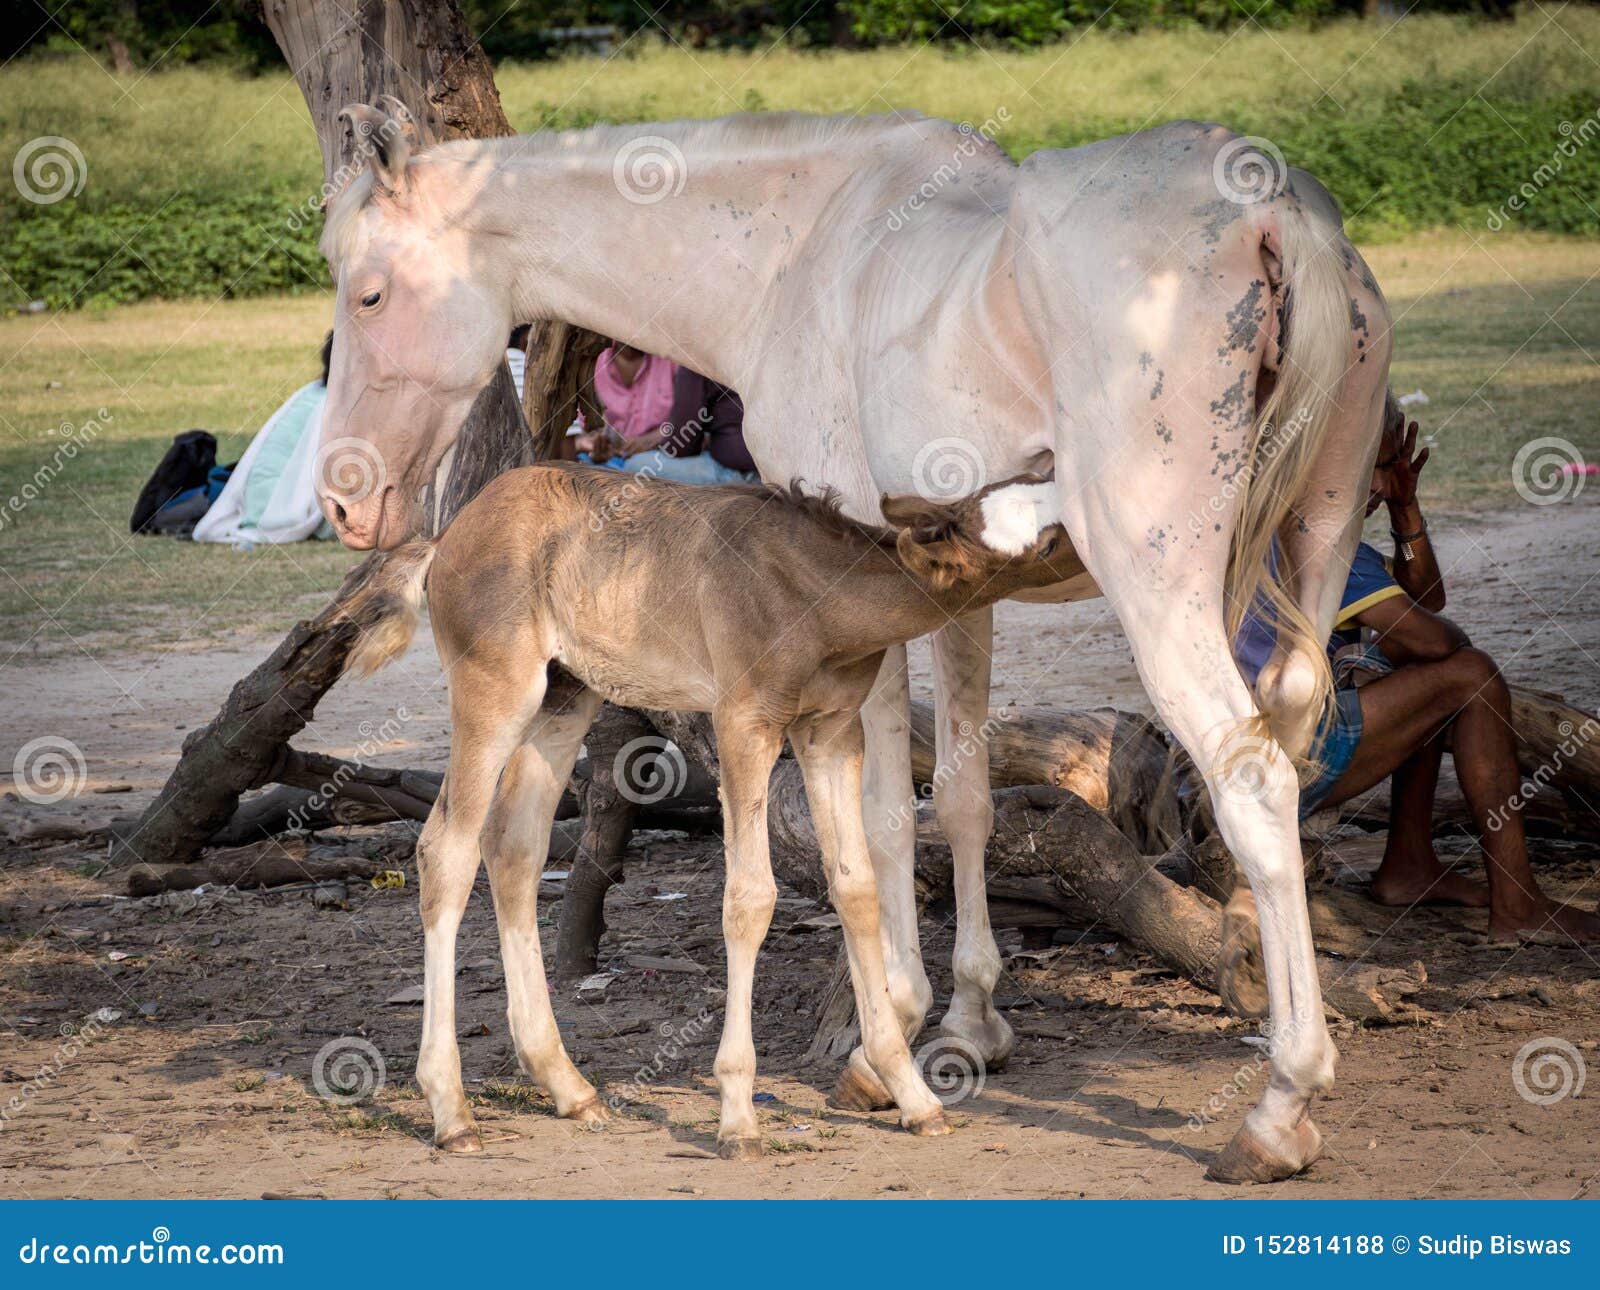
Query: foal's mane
[[825, 510]]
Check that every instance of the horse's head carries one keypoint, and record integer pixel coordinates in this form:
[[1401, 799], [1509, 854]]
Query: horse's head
[[420, 325]]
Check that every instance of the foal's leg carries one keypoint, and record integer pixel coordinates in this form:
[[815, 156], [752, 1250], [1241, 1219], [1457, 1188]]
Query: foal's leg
[[747, 747], [961, 660], [488, 714], [516, 840], [830, 750], [889, 812]]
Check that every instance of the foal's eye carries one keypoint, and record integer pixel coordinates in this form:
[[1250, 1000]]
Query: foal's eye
[[371, 299]]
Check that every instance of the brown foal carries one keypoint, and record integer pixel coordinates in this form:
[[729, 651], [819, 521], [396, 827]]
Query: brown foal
[[563, 586]]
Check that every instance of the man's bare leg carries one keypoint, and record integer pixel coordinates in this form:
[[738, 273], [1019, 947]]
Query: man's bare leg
[[1408, 709], [1411, 873]]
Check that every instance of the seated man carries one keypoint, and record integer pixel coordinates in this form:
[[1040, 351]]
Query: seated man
[[1434, 691]]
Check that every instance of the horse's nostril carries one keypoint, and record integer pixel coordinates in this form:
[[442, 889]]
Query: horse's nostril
[[338, 512]]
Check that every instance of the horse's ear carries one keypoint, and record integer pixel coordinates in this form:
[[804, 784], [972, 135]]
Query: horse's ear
[[402, 114], [910, 511], [383, 139]]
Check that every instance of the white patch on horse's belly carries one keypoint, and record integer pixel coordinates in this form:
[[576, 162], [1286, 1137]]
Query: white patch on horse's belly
[[1014, 515]]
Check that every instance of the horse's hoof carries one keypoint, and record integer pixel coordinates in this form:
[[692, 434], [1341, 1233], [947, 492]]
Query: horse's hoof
[[590, 1111], [1250, 1158], [1241, 968], [460, 1142], [989, 1038], [741, 1149], [857, 1092], [931, 1125]]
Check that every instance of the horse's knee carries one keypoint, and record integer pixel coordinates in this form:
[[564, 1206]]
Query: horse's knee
[[748, 902]]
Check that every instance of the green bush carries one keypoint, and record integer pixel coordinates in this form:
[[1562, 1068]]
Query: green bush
[[247, 245]]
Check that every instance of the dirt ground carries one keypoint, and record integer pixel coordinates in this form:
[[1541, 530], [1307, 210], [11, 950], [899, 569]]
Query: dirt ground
[[1125, 1079]]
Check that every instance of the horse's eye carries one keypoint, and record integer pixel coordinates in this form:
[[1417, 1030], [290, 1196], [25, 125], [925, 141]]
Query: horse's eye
[[371, 299]]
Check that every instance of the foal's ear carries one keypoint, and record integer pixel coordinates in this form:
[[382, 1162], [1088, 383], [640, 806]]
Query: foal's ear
[[909, 511], [383, 140]]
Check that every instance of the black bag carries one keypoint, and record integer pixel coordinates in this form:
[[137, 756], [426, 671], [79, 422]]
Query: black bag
[[186, 465]]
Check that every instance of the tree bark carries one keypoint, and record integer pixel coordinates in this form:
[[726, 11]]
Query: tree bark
[[608, 819]]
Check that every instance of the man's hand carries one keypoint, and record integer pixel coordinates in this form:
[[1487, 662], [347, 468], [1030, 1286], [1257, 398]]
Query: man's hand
[[1400, 476]]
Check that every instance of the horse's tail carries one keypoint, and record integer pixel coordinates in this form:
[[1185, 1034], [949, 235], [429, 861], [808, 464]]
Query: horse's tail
[[388, 607], [1295, 688]]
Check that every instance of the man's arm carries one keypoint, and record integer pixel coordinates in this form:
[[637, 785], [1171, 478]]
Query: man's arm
[[1416, 568], [1408, 632]]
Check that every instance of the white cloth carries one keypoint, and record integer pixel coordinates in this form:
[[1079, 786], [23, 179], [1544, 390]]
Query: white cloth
[[292, 513]]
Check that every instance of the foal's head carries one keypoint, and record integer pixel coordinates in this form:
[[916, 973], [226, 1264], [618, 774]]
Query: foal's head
[[1004, 537]]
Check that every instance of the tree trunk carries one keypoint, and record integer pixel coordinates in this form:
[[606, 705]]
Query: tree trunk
[[421, 52], [608, 817]]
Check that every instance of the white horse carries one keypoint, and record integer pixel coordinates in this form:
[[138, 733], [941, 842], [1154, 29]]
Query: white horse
[[1171, 323]]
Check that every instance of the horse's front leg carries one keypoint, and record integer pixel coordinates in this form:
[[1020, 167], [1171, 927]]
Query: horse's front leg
[[889, 808], [961, 662]]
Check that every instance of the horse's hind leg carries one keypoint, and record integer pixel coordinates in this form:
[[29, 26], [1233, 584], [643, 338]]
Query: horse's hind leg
[[488, 714], [516, 840]]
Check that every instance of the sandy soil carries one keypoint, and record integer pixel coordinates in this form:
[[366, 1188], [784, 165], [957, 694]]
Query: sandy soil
[[1124, 1083]]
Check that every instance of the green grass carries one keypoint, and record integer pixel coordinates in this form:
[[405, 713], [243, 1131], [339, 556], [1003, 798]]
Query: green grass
[[1499, 332], [211, 132], [69, 569]]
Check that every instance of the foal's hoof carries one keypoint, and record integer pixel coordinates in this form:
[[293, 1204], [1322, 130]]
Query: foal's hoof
[[1252, 1158], [931, 1125], [741, 1149], [460, 1142], [858, 1092], [1241, 969]]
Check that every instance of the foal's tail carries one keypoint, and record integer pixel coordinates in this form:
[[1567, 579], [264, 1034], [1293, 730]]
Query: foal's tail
[[387, 609], [1291, 427]]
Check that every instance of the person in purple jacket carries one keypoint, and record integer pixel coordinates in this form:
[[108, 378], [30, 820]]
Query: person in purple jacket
[[1427, 689]]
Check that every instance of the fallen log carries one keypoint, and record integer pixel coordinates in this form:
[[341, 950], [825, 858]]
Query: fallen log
[[262, 864], [1058, 844], [1118, 762]]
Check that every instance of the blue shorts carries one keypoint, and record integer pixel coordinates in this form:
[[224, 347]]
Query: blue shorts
[[1333, 747]]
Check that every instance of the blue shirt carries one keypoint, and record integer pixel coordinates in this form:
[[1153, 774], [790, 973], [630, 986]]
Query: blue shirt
[[1369, 583]]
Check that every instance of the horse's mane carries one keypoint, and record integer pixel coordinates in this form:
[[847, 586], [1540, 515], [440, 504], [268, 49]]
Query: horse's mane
[[825, 510], [747, 137]]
